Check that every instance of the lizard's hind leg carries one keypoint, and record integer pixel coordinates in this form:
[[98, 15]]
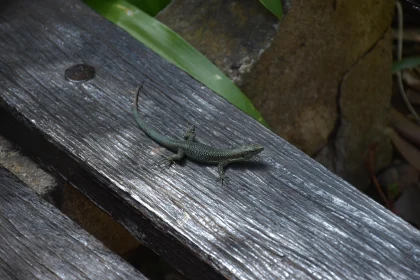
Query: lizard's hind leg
[[222, 177], [189, 135]]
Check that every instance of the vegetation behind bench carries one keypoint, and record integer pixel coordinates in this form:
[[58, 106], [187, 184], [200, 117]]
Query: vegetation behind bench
[[282, 216]]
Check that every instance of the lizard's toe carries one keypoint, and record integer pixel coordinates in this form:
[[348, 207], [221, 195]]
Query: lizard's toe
[[223, 179], [166, 162]]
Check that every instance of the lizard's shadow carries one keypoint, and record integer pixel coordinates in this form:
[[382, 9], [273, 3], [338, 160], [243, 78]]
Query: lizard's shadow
[[249, 164]]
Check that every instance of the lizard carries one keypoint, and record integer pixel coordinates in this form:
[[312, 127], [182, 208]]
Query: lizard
[[193, 150]]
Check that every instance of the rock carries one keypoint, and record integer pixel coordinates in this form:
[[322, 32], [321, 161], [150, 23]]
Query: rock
[[27, 170], [232, 34]]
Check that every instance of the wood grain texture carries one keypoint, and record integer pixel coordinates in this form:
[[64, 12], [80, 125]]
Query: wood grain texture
[[282, 216], [39, 242]]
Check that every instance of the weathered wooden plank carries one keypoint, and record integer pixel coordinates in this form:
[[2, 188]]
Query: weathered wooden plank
[[283, 216], [39, 242]]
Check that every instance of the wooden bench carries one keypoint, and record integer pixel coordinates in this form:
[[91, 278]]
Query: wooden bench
[[39, 242], [283, 215]]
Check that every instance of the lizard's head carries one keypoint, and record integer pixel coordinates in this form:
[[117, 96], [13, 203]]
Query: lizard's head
[[249, 151]]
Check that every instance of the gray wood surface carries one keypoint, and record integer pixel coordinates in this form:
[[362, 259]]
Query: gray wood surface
[[283, 215], [38, 242]]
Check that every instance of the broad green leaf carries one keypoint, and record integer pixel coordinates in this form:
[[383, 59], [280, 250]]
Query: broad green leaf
[[173, 48], [274, 6], [405, 63], [151, 7]]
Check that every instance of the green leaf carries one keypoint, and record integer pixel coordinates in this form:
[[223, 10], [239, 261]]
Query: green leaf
[[173, 48], [393, 189], [274, 6], [405, 63], [151, 7]]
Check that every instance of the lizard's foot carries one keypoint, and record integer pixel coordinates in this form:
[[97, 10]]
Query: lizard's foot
[[189, 135], [190, 128], [223, 179], [166, 162]]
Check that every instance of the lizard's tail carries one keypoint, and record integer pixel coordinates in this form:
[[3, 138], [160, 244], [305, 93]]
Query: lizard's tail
[[139, 121], [136, 101], [156, 136]]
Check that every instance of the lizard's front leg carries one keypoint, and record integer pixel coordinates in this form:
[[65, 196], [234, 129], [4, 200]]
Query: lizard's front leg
[[173, 158], [222, 177]]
